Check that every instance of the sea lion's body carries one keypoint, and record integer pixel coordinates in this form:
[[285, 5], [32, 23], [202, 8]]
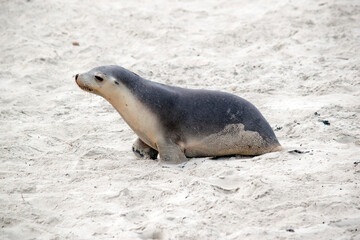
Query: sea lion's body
[[179, 122]]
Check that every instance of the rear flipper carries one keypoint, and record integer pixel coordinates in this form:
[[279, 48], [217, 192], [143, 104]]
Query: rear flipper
[[142, 150]]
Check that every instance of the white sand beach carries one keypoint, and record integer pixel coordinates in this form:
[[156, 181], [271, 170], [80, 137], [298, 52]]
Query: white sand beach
[[67, 170]]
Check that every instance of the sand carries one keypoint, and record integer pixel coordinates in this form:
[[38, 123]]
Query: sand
[[66, 166]]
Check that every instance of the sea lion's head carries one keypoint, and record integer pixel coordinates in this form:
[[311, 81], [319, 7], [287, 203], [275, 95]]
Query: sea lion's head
[[103, 80], [99, 80]]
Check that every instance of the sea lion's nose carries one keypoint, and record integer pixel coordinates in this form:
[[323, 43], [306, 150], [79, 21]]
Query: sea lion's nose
[[76, 77]]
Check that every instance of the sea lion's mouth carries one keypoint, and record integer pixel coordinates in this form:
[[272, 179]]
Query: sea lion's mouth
[[85, 88]]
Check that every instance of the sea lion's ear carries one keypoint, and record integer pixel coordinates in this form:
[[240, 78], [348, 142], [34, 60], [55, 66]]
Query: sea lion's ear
[[116, 82]]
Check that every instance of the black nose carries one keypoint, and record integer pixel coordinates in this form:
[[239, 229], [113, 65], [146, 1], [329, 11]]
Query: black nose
[[76, 77]]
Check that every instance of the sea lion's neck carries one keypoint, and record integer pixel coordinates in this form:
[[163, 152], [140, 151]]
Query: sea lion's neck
[[133, 111]]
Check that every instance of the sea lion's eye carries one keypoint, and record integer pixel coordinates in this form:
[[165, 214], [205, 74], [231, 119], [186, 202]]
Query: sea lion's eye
[[100, 79]]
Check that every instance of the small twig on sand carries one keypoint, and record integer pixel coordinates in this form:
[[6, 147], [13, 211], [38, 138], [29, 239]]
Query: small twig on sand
[[298, 151]]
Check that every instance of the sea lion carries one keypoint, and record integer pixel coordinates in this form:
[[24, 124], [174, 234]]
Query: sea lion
[[180, 123]]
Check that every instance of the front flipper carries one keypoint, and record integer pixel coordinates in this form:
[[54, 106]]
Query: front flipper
[[171, 153], [142, 150]]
